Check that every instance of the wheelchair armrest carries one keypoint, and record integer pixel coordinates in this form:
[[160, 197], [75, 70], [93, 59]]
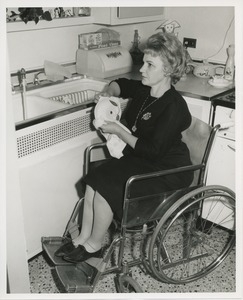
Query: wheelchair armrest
[[96, 145], [134, 178], [88, 154]]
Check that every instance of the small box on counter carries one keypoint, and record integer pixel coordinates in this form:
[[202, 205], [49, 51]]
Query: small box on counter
[[96, 40]]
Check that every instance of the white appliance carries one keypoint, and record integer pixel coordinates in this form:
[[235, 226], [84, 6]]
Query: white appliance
[[221, 169], [104, 62], [222, 162]]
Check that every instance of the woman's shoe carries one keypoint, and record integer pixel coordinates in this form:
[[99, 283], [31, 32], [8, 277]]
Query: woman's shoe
[[80, 254], [65, 249]]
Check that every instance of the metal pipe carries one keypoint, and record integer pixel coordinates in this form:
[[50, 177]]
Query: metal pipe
[[23, 94], [36, 78]]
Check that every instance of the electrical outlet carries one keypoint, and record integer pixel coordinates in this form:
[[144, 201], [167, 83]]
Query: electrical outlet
[[189, 43]]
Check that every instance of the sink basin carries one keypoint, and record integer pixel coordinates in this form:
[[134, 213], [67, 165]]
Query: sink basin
[[38, 105], [35, 106], [58, 96]]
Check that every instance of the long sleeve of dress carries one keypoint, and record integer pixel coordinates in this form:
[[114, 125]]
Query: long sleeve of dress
[[128, 87]]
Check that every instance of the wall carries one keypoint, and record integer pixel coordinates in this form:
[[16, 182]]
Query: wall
[[16, 258], [29, 49], [208, 25]]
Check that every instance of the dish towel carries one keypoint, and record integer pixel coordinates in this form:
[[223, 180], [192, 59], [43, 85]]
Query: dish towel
[[55, 72], [109, 109]]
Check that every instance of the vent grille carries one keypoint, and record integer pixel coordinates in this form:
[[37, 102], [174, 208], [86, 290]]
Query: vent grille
[[47, 137]]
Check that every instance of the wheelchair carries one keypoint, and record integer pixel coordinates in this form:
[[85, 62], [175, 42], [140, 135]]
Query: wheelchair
[[182, 235]]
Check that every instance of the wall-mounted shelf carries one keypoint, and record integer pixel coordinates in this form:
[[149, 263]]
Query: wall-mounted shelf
[[43, 24]]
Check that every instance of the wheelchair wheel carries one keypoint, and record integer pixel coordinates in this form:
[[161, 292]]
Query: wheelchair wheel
[[194, 235], [126, 284]]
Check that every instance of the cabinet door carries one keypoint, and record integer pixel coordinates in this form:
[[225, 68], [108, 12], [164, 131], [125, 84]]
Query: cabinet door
[[126, 15], [200, 109], [50, 188], [221, 168], [221, 171]]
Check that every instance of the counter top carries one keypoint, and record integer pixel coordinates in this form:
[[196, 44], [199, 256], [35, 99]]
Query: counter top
[[193, 86], [190, 85]]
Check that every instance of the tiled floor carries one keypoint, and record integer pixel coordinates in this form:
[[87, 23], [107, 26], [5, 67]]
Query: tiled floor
[[222, 280]]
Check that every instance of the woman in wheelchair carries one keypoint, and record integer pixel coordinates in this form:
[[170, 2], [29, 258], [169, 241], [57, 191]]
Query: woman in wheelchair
[[156, 116]]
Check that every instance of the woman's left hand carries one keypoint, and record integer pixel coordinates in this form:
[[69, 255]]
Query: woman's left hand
[[114, 128], [110, 127]]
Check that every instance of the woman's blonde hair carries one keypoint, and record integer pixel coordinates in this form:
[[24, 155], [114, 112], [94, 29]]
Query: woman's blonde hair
[[171, 51]]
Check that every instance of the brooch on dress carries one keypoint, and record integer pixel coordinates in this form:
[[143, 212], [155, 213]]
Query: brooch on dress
[[146, 116]]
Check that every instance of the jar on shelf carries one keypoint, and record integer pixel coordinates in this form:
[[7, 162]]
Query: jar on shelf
[[84, 11], [76, 11], [81, 11]]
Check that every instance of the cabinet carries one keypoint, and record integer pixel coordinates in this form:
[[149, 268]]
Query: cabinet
[[221, 171], [200, 109], [126, 15], [50, 175], [222, 162]]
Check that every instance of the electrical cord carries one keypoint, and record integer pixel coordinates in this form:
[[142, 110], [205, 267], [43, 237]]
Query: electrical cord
[[223, 39]]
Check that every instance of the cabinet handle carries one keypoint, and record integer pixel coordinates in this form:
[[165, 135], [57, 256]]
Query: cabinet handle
[[232, 148]]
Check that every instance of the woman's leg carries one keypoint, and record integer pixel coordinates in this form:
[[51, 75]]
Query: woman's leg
[[92, 247], [88, 216], [103, 216]]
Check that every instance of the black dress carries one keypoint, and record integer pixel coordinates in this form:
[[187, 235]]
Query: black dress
[[159, 146]]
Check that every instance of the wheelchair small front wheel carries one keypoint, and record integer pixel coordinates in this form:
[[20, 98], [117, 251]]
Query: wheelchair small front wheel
[[126, 284], [194, 235]]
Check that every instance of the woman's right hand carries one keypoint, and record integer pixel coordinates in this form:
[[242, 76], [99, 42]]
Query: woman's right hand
[[112, 89], [101, 94]]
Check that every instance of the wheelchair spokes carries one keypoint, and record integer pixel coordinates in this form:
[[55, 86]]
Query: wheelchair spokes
[[196, 239]]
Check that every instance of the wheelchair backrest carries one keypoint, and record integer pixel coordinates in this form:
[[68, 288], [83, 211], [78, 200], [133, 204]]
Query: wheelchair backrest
[[199, 138]]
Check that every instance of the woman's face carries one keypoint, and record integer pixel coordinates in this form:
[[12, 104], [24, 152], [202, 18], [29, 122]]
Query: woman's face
[[153, 70]]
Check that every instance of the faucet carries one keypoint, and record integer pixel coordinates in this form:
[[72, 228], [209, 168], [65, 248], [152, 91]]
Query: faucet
[[22, 81], [21, 76], [36, 80]]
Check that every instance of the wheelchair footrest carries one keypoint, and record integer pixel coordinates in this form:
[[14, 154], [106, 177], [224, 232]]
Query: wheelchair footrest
[[77, 278], [50, 245]]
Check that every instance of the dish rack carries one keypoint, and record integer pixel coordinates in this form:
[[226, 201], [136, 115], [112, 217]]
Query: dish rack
[[78, 97]]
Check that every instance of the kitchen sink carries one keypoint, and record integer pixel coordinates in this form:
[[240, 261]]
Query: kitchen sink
[[36, 106], [56, 97]]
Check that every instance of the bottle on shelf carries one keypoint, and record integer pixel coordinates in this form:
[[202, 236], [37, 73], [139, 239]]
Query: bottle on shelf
[[136, 53], [230, 63]]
